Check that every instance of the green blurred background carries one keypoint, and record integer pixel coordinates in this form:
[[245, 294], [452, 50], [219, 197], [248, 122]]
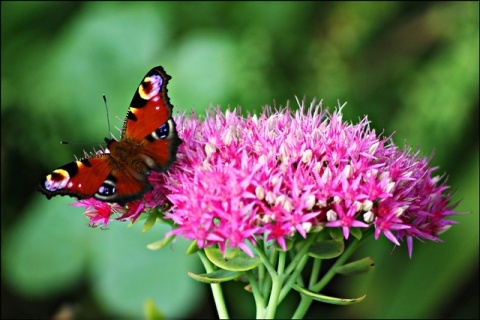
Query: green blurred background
[[412, 67]]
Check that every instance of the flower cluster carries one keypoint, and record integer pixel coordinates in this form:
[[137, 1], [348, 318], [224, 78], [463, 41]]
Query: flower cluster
[[239, 179]]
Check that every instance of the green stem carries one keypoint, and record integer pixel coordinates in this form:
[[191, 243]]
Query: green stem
[[276, 285], [273, 301], [305, 302], [259, 302], [317, 263], [261, 277], [292, 278], [301, 253], [340, 261], [302, 307], [268, 280], [216, 288], [261, 254], [281, 262]]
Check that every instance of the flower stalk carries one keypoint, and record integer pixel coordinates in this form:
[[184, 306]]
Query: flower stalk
[[216, 288]]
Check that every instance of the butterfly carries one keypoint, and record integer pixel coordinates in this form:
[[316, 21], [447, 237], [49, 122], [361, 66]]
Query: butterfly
[[149, 141]]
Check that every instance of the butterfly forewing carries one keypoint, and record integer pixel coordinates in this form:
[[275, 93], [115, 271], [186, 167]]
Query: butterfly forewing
[[150, 107]]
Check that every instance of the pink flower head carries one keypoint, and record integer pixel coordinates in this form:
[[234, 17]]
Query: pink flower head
[[97, 211], [283, 172]]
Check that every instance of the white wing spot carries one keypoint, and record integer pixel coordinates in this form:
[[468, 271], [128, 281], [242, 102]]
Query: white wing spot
[[58, 179]]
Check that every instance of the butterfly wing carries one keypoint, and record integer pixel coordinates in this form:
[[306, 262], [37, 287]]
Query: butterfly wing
[[149, 118], [149, 142], [94, 178]]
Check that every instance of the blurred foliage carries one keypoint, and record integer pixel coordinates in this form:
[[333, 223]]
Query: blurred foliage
[[412, 67]]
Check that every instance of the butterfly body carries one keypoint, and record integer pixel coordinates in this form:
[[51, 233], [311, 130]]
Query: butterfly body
[[149, 141]]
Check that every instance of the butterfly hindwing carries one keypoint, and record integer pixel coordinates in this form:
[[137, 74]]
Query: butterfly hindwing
[[81, 178], [123, 185], [94, 178]]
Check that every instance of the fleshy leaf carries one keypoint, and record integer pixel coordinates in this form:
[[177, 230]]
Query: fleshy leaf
[[336, 233], [150, 222], [326, 249], [152, 312], [357, 267], [192, 248], [159, 213], [327, 299], [160, 243], [239, 261], [155, 215], [357, 233], [215, 276]]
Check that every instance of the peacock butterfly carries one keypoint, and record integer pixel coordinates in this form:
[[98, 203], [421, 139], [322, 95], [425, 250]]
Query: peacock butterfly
[[149, 141]]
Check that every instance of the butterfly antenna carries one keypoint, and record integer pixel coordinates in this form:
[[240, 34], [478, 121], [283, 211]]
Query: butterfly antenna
[[108, 118], [108, 123]]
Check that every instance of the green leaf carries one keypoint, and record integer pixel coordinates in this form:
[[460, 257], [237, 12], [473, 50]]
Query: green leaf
[[150, 222], [193, 247], [336, 233], [238, 261], [326, 249], [160, 243], [215, 276], [152, 312], [327, 299], [357, 267], [357, 232], [160, 213]]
